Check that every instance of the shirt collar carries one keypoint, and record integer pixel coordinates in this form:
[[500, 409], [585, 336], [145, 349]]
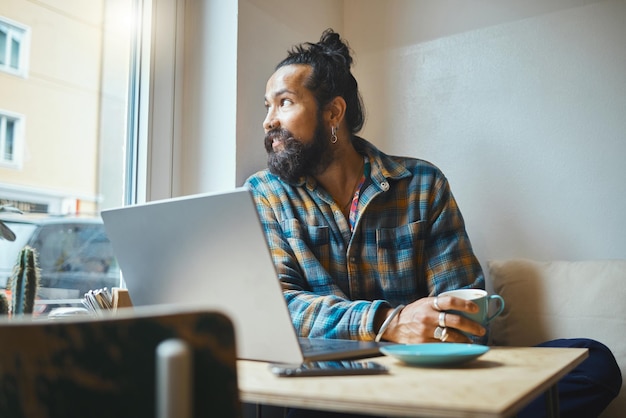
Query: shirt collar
[[383, 167]]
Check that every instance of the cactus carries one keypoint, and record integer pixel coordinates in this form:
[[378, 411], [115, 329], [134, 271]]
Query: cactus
[[24, 282]]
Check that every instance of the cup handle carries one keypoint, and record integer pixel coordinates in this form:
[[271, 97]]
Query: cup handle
[[500, 306]]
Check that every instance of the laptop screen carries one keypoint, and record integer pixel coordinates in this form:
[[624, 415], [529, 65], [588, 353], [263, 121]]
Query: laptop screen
[[207, 250]]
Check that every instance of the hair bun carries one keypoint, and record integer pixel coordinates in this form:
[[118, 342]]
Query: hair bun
[[331, 44]]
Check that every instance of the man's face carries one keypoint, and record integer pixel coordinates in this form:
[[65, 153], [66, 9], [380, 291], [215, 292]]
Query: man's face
[[296, 139]]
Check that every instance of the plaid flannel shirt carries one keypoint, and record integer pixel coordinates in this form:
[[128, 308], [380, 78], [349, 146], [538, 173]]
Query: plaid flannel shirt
[[409, 241]]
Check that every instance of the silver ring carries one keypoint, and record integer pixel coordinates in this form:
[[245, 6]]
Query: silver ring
[[442, 319], [436, 304], [444, 335], [439, 332]]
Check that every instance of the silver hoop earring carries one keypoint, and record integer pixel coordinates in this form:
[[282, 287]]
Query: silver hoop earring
[[333, 135]]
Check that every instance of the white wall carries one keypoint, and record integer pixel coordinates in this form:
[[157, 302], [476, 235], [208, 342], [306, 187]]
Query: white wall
[[208, 145], [267, 29], [527, 117], [521, 103]]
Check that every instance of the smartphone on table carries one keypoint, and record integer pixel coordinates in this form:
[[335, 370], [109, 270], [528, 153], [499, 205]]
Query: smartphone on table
[[328, 368]]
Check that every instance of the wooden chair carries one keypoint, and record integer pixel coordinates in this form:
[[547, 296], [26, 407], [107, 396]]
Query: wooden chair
[[139, 362]]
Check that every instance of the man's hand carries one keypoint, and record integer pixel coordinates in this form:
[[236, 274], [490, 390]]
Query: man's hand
[[417, 322]]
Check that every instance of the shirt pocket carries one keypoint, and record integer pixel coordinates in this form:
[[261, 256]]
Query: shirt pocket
[[309, 242], [400, 253]]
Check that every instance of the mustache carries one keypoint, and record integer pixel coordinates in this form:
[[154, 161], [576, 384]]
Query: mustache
[[280, 134]]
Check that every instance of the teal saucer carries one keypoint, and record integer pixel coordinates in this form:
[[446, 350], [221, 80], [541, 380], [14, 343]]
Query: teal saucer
[[435, 354]]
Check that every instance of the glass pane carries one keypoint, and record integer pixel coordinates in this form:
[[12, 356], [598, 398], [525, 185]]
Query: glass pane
[[3, 47], [71, 111], [8, 140], [15, 54]]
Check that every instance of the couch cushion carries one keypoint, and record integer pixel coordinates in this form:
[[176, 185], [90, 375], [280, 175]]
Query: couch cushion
[[561, 299]]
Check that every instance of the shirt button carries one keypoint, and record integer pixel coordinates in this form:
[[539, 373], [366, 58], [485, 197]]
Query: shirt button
[[384, 185], [353, 259]]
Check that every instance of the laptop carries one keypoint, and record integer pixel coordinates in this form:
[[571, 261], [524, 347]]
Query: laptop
[[210, 250]]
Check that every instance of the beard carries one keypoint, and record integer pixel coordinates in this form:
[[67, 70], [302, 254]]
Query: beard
[[298, 159]]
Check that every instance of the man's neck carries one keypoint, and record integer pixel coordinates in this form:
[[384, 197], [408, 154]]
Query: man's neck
[[342, 176]]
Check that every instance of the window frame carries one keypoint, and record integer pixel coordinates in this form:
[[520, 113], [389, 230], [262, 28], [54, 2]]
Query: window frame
[[18, 139], [20, 33], [155, 123]]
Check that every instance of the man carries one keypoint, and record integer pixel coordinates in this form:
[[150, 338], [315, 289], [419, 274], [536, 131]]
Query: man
[[363, 242]]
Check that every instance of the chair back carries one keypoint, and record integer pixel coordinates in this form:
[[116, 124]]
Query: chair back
[[107, 366]]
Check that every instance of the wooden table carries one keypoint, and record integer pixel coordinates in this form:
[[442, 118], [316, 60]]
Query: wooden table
[[497, 384]]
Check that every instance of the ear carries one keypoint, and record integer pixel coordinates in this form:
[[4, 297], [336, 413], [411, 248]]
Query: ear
[[335, 111]]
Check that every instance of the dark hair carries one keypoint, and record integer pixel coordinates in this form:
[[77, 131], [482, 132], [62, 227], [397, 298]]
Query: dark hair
[[331, 77]]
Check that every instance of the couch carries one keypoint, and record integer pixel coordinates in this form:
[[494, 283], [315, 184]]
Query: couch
[[562, 299]]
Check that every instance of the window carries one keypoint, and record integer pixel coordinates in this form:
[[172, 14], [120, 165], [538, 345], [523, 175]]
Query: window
[[13, 47], [10, 140], [64, 137]]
